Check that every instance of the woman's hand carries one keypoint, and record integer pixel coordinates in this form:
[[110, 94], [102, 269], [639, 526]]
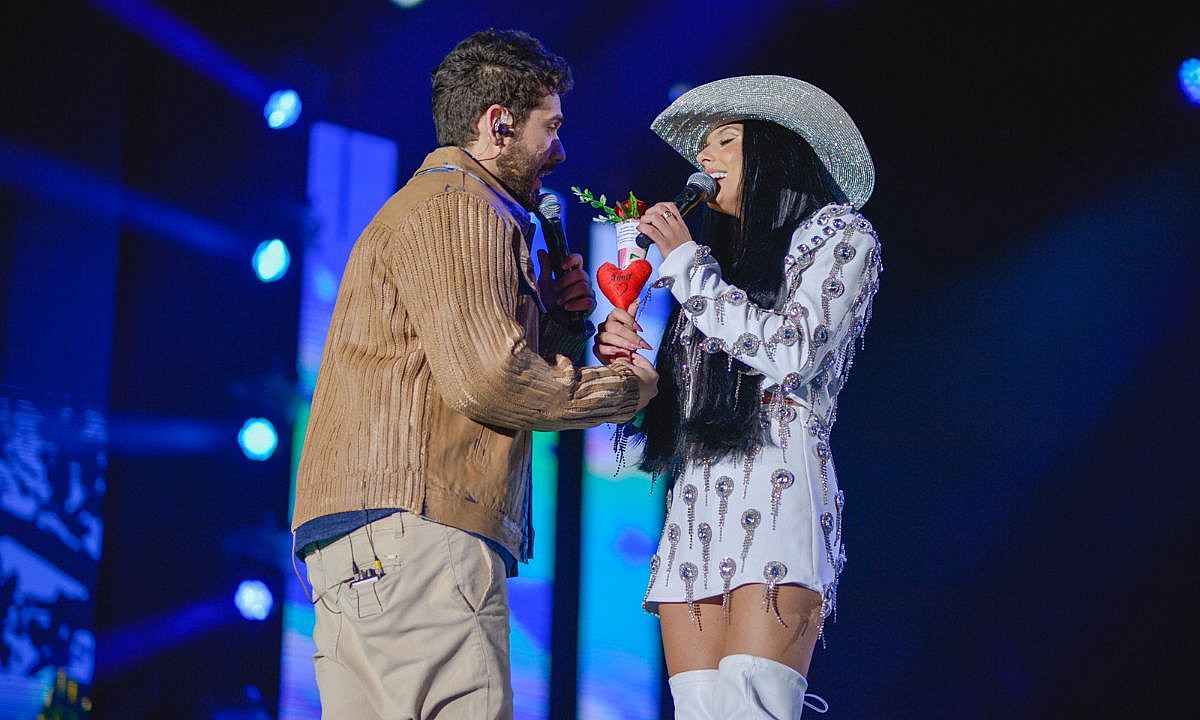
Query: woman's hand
[[617, 337], [662, 224]]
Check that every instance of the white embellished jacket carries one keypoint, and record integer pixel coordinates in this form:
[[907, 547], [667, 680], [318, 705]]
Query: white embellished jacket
[[804, 346]]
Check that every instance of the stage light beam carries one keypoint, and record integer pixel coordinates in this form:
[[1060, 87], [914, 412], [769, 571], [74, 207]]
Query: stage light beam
[[271, 260], [171, 34], [253, 599], [258, 438], [282, 109]]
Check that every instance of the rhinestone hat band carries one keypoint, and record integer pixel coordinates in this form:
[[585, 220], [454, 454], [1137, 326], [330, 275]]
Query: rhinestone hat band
[[798, 106]]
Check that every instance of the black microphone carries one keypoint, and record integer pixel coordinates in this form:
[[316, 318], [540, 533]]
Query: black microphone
[[548, 211], [700, 188]]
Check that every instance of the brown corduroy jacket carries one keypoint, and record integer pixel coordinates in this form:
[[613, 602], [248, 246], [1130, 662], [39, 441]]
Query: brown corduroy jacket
[[432, 378]]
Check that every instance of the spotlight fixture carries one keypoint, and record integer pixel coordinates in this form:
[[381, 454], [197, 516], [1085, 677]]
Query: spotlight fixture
[[271, 260], [282, 109], [253, 599], [1189, 79], [258, 438]]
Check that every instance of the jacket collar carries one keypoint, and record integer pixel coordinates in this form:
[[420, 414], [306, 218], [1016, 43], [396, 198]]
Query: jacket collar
[[456, 157]]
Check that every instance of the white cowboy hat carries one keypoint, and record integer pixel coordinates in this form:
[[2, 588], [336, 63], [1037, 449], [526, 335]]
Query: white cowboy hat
[[798, 106]]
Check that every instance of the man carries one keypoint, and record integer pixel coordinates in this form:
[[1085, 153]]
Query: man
[[413, 493]]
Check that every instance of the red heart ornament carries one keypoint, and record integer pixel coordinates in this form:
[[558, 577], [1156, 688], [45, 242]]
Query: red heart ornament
[[622, 286]]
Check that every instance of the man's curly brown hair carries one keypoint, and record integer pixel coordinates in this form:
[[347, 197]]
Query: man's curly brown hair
[[493, 67]]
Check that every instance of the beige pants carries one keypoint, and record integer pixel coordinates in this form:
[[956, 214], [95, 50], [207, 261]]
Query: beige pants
[[427, 640]]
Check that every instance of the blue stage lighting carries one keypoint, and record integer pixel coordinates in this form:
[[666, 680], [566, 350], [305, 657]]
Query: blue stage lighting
[[407, 3], [1189, 79], [271, 260], [258, 439], [282, 109], [253, 599]]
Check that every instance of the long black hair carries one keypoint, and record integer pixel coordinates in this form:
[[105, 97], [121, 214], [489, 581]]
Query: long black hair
[[783, 182]]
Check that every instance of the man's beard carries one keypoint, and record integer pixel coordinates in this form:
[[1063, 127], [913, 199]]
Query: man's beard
[[519, 170]]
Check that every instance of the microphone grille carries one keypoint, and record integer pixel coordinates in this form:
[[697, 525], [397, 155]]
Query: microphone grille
[[549, 206], [705, 184]]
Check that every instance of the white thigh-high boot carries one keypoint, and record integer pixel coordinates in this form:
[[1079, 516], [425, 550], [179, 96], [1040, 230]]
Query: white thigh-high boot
[[752, 687], [692, 692]]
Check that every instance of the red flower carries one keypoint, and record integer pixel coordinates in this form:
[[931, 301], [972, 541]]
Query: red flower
[[625, 211]]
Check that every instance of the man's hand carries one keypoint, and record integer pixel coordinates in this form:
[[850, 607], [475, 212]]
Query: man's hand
[[571, 292]]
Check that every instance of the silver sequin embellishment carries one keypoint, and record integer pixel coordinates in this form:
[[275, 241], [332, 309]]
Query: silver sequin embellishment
[[788, 335], [655, 561], [751, 519], [724, 488], [688, 573], [774, 572], [696, 305], [673, 534], [821, 451], [704, 532], [781, 480], [747, 344], [839, 504], [815, 428], [827, 528], [820, 335], [712, 345], [832, 288], [707, 478], [726, 568], [690, 494], [844, 252], [735, 297], [747, 469]]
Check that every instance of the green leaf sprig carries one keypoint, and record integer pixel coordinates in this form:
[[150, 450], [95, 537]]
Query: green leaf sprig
[[630, 209]]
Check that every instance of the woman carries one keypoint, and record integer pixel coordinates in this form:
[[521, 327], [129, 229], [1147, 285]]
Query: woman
[[750, 367]]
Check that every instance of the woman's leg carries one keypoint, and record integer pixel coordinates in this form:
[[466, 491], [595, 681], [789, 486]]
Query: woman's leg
[[754, 629], [761, 673], [692, 652]]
